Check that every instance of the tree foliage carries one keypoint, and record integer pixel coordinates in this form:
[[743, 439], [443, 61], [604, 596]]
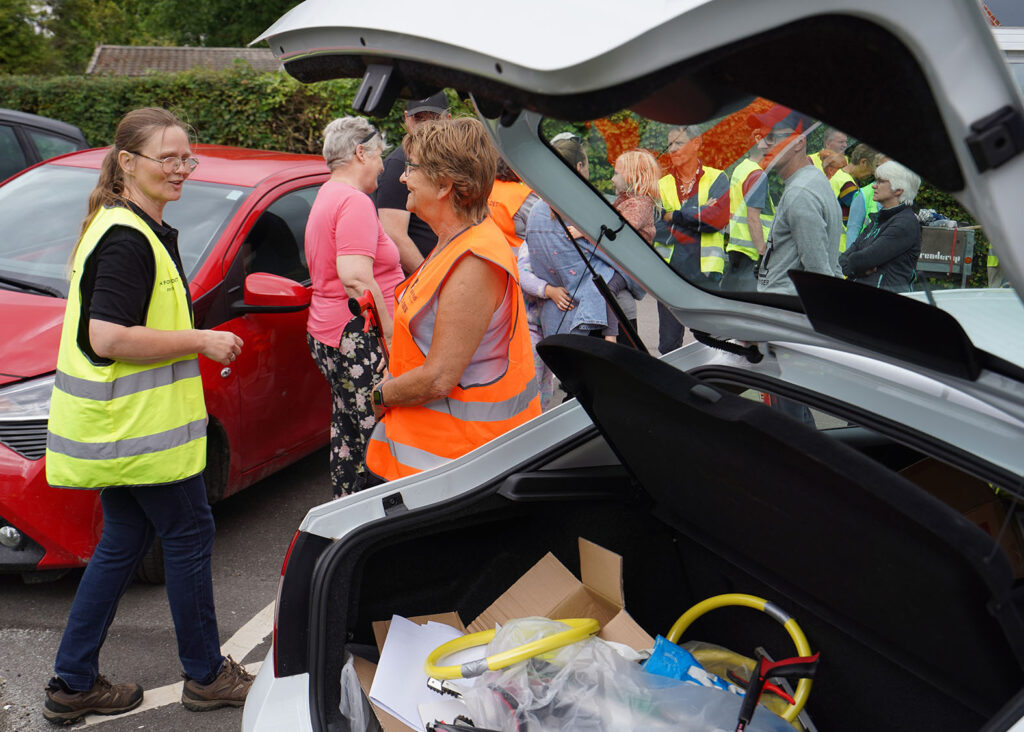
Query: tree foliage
[[25, 48], [59, 36]]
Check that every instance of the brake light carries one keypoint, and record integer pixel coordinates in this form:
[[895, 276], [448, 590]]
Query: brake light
[[292, 609], [277, 601]]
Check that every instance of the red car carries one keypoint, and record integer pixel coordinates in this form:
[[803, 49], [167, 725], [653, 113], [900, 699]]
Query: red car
[[242, 219]]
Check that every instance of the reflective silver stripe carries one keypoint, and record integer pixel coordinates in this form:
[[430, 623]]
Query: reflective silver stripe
[[486, 411], [130, 447], [736, 237], [408, 455], [105, 391], [777, 612]]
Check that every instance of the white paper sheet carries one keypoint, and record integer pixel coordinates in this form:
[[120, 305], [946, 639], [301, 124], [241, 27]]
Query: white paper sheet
[[400, 684]]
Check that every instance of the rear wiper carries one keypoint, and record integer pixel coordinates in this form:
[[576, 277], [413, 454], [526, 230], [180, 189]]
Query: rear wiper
[[31, 286]]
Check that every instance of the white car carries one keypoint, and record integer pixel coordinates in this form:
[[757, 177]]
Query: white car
[[850, 520]]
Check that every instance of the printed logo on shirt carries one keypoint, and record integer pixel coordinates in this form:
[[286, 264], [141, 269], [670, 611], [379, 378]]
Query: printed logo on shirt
[[170, 283]]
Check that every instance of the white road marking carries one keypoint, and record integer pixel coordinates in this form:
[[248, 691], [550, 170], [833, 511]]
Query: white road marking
[[238, 646], [251, 634]]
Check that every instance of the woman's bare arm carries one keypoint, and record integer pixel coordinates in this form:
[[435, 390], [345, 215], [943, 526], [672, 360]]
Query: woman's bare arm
[[139, 344], [356, 273]]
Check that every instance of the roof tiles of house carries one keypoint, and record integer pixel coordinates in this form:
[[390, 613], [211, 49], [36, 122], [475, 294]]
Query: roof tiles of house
[[141, 60]]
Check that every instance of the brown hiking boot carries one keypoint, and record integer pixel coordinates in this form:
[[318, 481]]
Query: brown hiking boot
[[64, 706], [229, 689]]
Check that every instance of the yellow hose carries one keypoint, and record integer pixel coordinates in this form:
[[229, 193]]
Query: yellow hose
[[579, 628], [803, 648]]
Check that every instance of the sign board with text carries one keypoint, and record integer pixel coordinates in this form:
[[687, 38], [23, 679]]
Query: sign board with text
[[948, 252]]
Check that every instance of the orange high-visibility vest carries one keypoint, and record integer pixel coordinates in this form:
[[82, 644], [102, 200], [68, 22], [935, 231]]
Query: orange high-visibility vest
[[505, 199], [408, 440]]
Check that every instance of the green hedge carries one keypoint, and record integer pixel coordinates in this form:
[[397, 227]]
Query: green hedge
[[239, 106]]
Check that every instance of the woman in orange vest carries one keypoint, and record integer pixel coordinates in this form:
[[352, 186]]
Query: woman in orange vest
[[510, 203], [461, 370]]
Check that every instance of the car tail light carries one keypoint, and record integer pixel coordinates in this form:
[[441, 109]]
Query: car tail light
[[291, 611]]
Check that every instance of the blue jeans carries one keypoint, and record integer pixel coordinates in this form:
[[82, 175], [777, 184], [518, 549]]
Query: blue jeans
[[179, 514]]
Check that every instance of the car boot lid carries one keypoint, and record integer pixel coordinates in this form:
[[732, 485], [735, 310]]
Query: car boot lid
[[679, 62]]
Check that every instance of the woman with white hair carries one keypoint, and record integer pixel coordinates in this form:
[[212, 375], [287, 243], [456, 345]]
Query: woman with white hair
[[348, 252], [885, 254]]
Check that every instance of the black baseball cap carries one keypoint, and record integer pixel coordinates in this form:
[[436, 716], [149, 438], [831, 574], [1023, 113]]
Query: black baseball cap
[[437, 103]]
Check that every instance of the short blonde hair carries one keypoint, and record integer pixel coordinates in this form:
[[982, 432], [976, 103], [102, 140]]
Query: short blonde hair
[[640, 171], [460, 152]]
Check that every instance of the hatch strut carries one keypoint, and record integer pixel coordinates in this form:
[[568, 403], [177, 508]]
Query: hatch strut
[[751, 353], [602, 286]]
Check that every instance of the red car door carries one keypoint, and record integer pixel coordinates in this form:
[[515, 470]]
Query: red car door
[[284, 400]]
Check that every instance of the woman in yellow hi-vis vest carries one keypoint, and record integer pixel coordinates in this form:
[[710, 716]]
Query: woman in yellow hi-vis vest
[[461, 370], [127, 417]]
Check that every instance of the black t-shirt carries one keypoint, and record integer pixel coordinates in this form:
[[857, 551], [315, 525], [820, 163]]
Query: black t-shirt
[[117, 280], [392, 193]]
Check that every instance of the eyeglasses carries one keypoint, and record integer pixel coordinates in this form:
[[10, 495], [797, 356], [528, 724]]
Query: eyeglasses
[[409, 167], [172, 163], [774, 137], [367, 138]]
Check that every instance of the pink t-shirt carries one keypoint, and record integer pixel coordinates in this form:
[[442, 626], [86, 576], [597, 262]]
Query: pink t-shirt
[[343, 221]]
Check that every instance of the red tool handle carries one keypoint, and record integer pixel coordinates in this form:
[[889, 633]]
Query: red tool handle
[[788, 668], [366, 304]]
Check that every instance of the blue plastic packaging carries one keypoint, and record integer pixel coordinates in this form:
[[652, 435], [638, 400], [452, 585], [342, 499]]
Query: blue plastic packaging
[[675, 662]]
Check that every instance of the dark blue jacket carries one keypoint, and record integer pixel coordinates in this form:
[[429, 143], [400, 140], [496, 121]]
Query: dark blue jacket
[[885, 254]]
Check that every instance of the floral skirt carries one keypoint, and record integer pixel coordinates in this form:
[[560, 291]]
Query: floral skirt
[[351, 372]]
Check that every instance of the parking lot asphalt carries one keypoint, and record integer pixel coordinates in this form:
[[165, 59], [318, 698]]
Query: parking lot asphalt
[[254, 529]]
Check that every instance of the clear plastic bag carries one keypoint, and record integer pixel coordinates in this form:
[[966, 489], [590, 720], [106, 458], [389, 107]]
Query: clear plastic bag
[[589, 686], [354, 706]]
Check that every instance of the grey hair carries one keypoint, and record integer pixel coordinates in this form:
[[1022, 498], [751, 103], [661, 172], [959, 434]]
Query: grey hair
[[831, 132], [692, 131], [900, 177], [343, 135]]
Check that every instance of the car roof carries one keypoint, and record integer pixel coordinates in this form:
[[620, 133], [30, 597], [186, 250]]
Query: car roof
[[223, 164], [44, 123]]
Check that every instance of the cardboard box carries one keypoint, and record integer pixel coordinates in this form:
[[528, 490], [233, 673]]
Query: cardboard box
[[548, 589], [976, 500]]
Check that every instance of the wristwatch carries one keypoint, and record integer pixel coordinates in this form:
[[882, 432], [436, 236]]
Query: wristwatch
[[378, 396]]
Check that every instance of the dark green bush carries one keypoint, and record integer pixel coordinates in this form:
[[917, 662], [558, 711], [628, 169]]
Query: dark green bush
[[238, 106]]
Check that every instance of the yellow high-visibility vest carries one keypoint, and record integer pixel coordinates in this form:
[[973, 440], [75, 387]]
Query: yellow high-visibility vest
[[712, 243], [125, 424], [739, 229], [838, 179]]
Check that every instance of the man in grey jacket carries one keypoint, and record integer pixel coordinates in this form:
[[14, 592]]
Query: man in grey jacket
[[808, 222]]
